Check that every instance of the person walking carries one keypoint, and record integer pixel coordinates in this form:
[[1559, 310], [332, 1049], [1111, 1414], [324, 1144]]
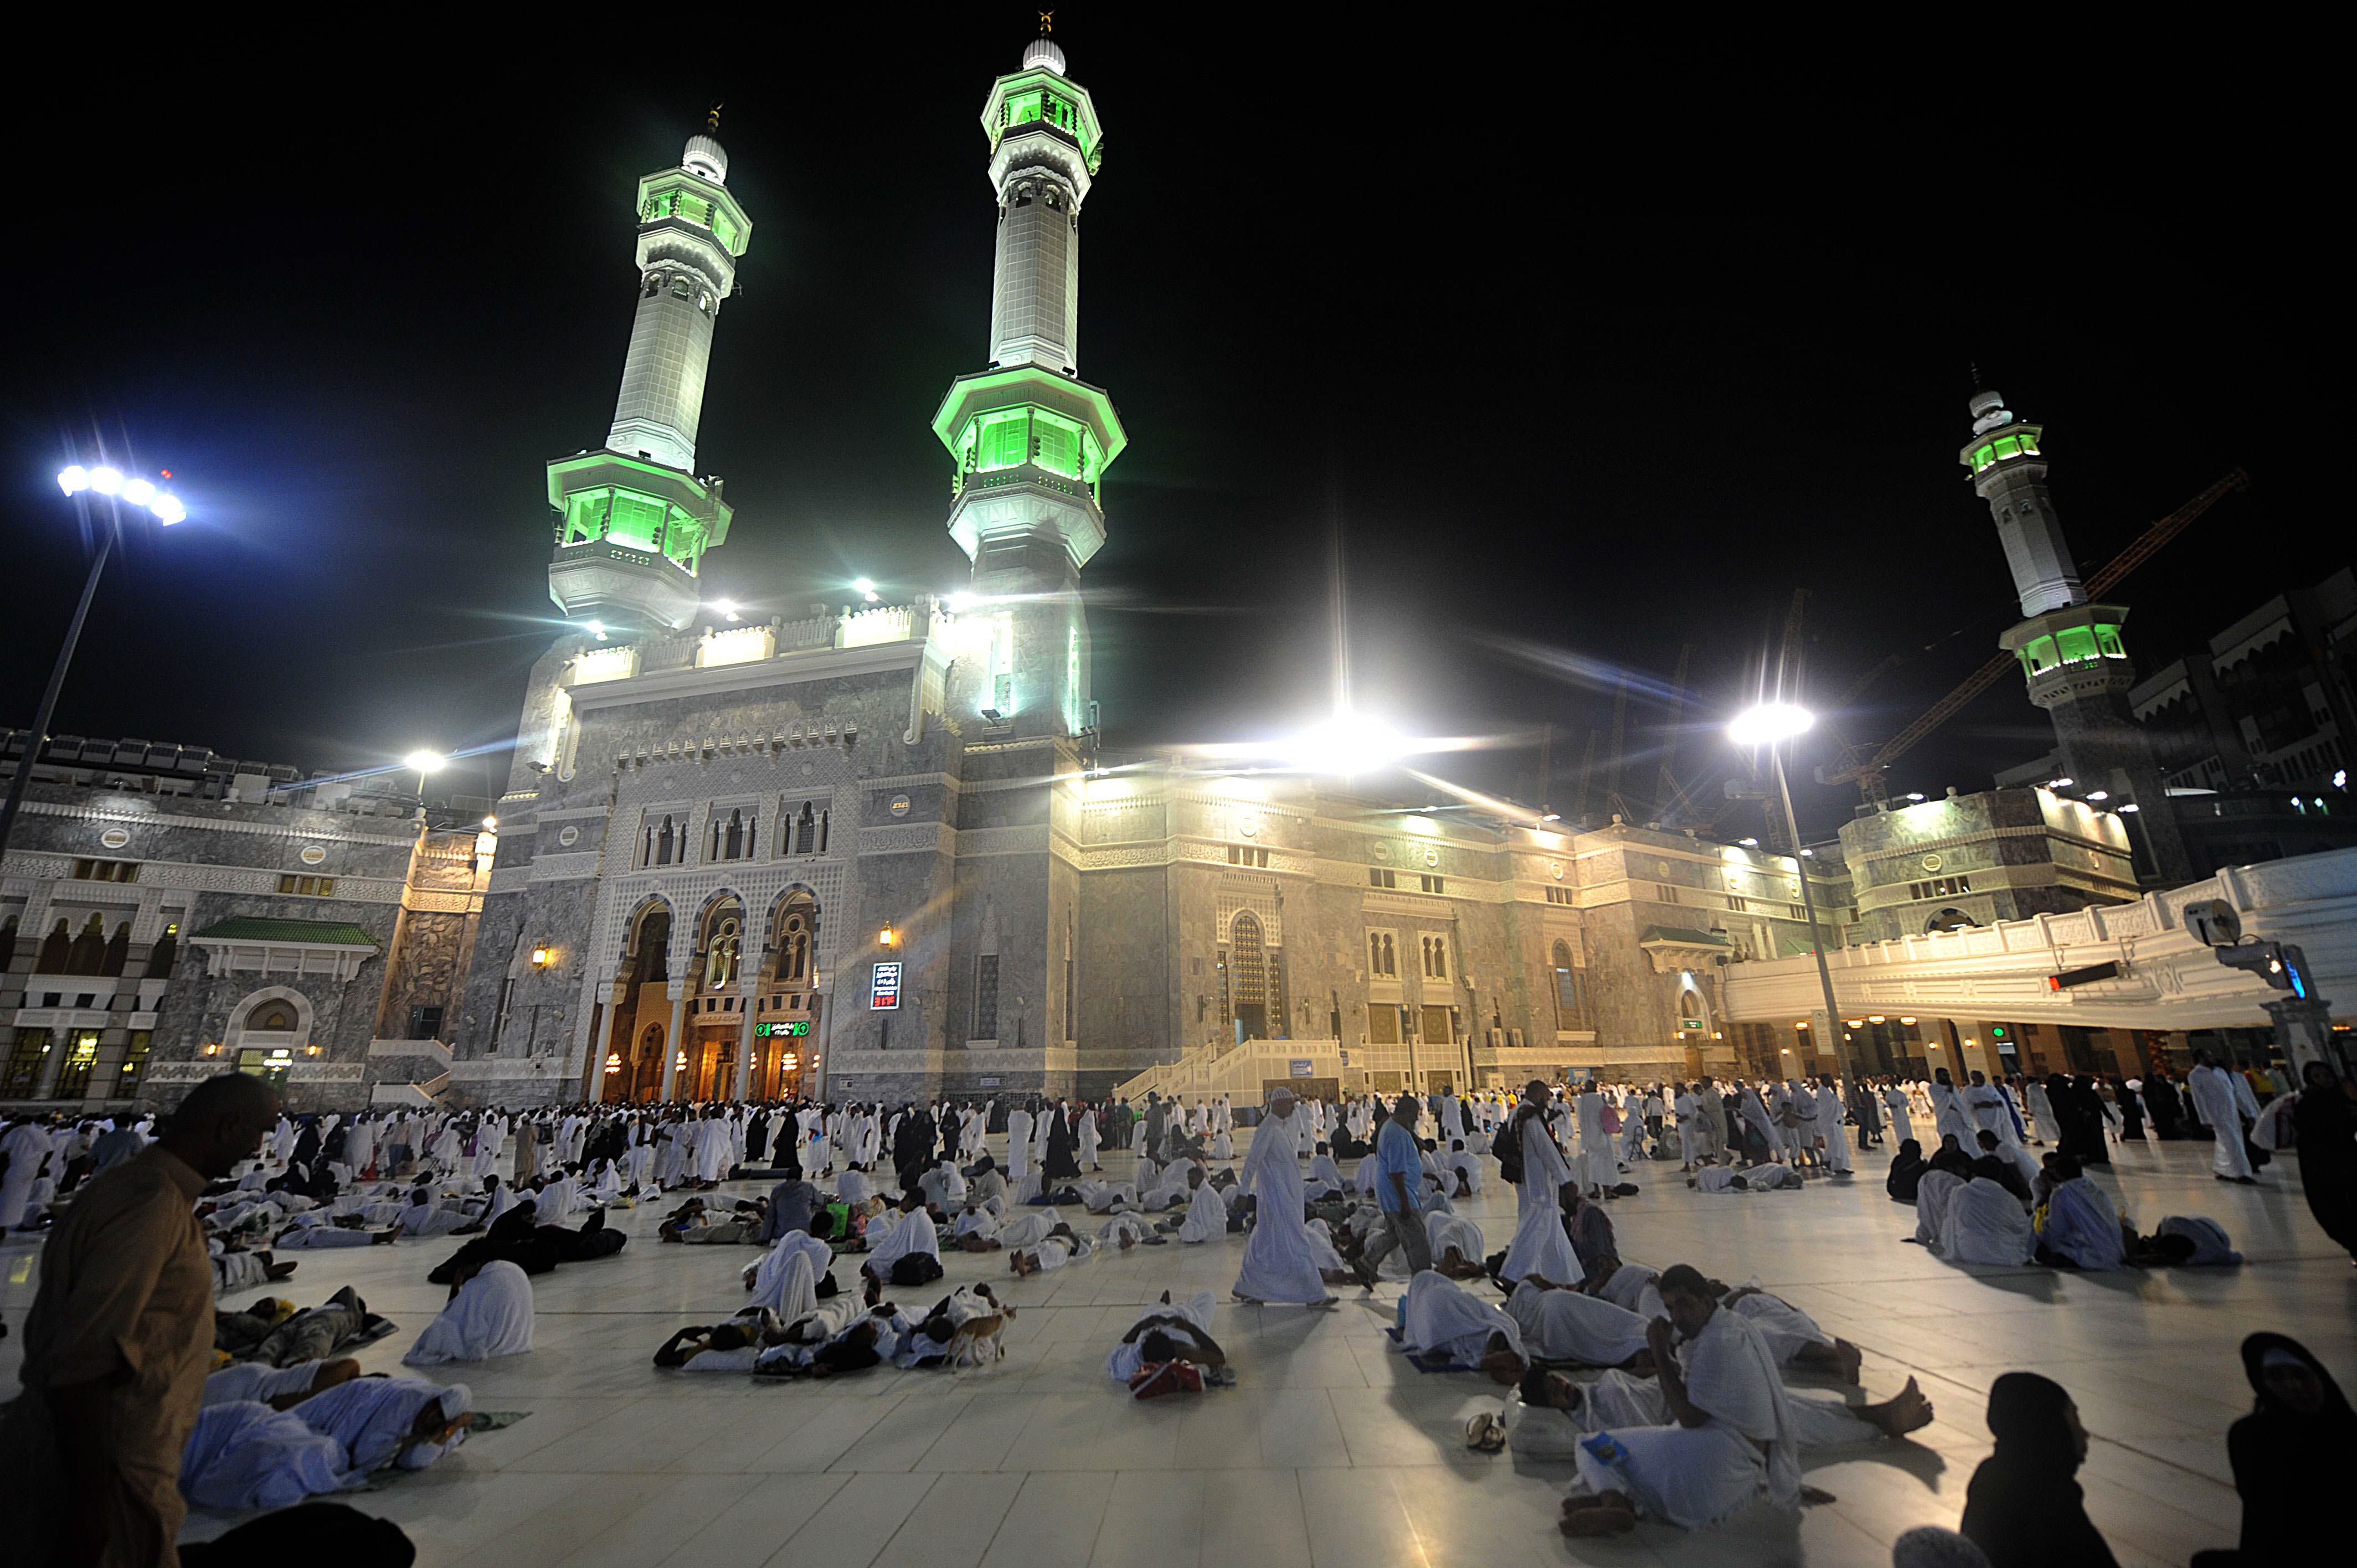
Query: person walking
[[1399, 1174], [118, 1342]]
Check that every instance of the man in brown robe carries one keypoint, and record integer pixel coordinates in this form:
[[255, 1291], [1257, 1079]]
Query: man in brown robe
[[117, 1344]]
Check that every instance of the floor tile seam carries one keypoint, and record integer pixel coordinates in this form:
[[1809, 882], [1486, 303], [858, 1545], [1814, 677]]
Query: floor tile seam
[[839, 1483], [882, 1546], [2179, 1466], [588, 1481]]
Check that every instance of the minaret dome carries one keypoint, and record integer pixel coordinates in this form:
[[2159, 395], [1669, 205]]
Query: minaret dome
[[706, 156], [1044, 55]]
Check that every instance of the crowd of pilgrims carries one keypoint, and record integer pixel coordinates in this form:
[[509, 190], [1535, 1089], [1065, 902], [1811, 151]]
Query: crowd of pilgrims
[[1686, 1420]]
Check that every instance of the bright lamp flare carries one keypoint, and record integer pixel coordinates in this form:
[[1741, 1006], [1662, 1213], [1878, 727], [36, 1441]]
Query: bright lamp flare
[[74, 479], [167, 508], [425, 762], [1347, 744], [1769, 723], [106, 481], [138, 492]]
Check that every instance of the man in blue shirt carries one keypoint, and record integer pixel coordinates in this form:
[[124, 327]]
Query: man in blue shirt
[[1399, 1177]]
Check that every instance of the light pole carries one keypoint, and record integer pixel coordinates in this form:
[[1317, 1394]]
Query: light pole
[[1772, 725], [79, 483], [423, 763]]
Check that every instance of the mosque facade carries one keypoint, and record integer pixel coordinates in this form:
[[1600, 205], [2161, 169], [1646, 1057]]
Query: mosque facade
[[874, 850]]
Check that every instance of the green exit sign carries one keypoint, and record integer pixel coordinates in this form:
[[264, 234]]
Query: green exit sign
[[794, 1029]]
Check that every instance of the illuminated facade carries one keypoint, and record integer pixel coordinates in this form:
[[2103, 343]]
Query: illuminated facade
[[632, 519], [2072, 656], [168, 914], [871, 851]]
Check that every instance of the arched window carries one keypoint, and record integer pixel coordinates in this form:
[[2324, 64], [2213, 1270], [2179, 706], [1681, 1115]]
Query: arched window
[[721, 953], [88, 954], [662, 845], [1374, 952], [165, 953], [805, 830], [1566, 988], [55, 946], [274, 1016], [732, 846], [8, 944], [1690, 1012], [793, 951], [118, 948], [1950, 920]]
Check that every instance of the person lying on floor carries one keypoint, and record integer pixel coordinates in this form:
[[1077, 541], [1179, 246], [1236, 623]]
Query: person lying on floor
[[245, 1454], [280, 1387], [1755, 1178], [1127, 1231], [317, 1231], [1793, 1336], [1060, 1246], [516, 1238], [1441, 1321], [1551, 1415], [1167, 1331], [1559, 1323], [697, 1223]]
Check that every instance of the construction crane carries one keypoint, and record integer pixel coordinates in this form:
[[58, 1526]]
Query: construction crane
[[1666, 793], [1613, 804], [1866, 774]]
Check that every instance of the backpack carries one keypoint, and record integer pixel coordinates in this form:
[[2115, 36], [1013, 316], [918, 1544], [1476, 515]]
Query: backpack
[[1507, 1149], [1156, 1379]]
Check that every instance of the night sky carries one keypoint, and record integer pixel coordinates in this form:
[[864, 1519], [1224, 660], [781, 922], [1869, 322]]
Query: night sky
[[1595, 343]]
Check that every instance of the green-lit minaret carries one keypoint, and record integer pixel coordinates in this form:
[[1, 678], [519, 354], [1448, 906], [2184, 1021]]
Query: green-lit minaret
[[633, 520], [1032, 440]]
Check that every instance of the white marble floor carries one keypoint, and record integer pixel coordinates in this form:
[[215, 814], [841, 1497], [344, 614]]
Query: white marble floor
[[1332, 1451]]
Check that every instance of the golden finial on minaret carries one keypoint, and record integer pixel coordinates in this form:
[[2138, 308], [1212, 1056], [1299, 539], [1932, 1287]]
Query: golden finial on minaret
[[1046, 23], [712, 121]]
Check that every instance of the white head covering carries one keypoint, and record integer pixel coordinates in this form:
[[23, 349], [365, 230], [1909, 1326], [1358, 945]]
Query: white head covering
[[491, 1315]]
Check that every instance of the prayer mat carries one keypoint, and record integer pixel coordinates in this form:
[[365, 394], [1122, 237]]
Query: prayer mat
[[1420, 1362], [392, 1475]]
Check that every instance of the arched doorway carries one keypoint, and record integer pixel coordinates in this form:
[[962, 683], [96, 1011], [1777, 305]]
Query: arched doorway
[[647, 1079], [1248, 963], [642, 1006], [716, 1015], [786, 1008]]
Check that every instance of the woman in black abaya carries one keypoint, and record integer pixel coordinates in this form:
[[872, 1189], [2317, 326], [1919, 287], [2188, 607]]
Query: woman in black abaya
[[2023, 1509], [2289, 1452], [2324, 1129], [1061, 1165]]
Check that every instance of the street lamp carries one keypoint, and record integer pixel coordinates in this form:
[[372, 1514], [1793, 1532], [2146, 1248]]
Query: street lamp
[[79, 483], [1349, 743], [1773, 725], [423, 763]]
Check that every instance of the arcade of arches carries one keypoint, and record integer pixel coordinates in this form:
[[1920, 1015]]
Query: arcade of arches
[[690, 1048]]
